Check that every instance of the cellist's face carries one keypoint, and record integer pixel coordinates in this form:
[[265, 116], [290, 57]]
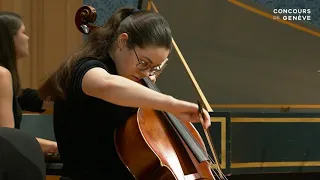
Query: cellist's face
[[136, 63], [21, 42]]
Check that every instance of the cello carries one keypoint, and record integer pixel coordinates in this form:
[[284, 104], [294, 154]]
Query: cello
[[152, 144]]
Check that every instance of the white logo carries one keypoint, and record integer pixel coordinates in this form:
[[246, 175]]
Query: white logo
[[292, 14]]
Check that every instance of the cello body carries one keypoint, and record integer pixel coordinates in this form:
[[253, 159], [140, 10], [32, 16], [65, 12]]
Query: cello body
[[151, 149]]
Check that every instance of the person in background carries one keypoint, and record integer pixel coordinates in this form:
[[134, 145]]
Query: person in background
[[14, 46]]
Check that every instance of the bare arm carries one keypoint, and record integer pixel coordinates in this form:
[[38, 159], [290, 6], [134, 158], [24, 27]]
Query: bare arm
[[98, 83], [6, 111], [48, 146], [6, 97]]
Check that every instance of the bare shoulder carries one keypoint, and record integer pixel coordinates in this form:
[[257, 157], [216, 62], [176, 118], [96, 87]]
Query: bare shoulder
[[5, 79], [4, 72]]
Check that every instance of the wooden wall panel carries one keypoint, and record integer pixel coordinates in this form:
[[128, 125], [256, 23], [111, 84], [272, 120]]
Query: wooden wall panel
[[53, 35]]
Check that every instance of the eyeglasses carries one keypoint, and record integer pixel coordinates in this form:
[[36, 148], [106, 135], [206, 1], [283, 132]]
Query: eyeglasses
[[143, 66]]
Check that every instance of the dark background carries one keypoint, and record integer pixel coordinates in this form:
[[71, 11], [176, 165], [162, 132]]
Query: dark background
[[239, 57]]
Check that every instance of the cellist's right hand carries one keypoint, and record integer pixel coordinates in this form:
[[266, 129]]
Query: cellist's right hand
[[189, 112]]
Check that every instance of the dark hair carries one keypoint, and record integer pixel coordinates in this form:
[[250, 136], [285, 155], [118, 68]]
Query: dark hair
[[144, 28], [10, 23]]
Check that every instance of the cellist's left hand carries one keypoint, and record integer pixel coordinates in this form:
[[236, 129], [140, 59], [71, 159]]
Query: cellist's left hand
[[206, 119], [153, 78], [189, 112], [194, 118]]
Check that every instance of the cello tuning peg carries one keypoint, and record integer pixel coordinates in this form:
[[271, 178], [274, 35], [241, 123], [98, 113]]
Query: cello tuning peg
[[85, 29]]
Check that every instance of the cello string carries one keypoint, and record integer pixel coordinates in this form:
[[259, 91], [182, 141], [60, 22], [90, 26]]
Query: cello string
[[217, 170], [151, 85], [210, 142]]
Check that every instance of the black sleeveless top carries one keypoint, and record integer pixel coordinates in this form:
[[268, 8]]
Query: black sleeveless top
[[17, 112], [84, 128]]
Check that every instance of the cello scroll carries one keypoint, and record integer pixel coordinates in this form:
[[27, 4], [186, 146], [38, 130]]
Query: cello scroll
[[85, 16]]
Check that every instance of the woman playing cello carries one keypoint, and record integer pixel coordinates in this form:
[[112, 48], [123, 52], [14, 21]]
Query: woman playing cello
[[98, 89]]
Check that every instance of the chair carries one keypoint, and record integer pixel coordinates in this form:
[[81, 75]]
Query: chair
[[21, 157]]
